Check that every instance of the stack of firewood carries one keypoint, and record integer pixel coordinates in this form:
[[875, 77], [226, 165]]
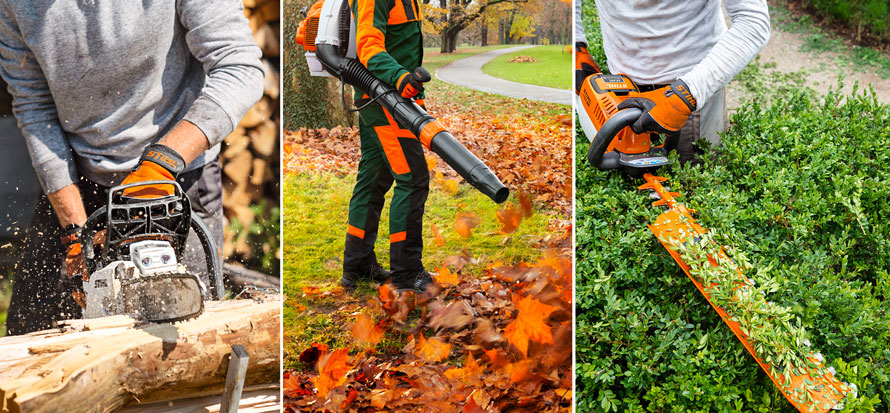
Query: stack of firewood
[[250, 155]]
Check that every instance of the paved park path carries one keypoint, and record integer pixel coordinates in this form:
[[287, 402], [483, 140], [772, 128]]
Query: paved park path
[[467, 72]]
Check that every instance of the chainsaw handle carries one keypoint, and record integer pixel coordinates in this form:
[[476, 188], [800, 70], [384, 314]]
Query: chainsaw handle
[[608, 131], [211, 257]]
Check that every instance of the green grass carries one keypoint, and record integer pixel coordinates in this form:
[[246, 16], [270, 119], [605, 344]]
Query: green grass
[[552, 69], [469, 100], [5, 296], [314, 229]]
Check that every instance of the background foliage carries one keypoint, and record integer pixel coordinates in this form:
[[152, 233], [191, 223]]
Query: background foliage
[[860, 15]]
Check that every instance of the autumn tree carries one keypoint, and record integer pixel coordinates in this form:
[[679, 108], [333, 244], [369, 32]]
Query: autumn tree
[[449, 17]]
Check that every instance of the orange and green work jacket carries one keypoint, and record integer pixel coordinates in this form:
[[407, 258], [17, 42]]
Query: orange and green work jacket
[[389, 41]]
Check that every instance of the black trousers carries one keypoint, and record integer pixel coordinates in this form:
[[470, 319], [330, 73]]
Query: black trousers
[[40, 296]]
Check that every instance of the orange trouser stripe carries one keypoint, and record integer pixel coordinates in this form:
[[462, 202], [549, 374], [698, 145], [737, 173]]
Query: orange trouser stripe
[[351, 230], [398, 237]]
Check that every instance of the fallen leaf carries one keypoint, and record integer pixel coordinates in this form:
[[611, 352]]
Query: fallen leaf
[[309, 291], [433, 350], [529, 324], [468, 374]]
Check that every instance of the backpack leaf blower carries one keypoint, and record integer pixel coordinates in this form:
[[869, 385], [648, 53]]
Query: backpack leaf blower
[[328, 36], [803, 379]]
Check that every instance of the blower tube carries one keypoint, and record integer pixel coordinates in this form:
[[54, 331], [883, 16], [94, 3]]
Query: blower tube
[[412, 117]]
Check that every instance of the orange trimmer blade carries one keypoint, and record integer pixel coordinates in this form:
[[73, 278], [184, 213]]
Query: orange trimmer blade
[[674, 228]]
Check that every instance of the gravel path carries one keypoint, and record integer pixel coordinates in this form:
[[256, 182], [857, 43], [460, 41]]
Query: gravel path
[[822, 69], [467, 72]]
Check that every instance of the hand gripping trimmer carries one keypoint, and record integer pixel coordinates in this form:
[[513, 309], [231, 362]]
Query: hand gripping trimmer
[[133, 250], [328, 36], [809, 386]]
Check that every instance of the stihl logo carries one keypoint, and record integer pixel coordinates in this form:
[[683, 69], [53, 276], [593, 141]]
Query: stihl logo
[[157, 156], [685, 94]]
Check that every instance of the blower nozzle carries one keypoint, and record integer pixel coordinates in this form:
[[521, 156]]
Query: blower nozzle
[[409, 115]]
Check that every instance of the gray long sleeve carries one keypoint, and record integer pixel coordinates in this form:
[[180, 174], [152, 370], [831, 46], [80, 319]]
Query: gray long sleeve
[[657, 41], [93, 83]]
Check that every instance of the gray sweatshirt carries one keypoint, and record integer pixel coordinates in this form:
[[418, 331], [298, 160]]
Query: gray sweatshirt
[[95, 81], [659, 41]]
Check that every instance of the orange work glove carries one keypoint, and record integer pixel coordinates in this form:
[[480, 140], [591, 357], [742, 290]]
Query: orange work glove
[[665, 110], [158, 163], [411, 84], [584, 65]]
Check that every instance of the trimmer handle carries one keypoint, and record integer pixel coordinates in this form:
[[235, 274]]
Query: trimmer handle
[[422, 74], [605, 134]]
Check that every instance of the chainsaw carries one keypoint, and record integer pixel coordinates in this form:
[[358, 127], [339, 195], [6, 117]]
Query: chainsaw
[[133, 254], [810, 387], [327, 33]]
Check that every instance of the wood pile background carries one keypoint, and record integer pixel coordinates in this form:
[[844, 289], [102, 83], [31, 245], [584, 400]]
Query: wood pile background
[[251, 154]]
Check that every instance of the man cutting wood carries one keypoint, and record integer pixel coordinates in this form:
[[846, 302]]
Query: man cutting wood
[[681, 56], [108, 91]]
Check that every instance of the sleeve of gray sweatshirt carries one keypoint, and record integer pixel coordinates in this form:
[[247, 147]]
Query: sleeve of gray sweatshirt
[[579, 24], [34, 107], [748, 34], [220, 38]]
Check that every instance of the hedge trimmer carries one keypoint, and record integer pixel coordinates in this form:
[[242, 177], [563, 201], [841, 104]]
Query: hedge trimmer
[[763, 327]]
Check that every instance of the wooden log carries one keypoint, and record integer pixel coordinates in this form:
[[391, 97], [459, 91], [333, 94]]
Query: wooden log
[[109, 364], [267, 39], [259, 112]]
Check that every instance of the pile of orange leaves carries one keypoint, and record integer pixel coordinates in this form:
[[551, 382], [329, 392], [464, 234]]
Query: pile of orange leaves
[[497, 342]]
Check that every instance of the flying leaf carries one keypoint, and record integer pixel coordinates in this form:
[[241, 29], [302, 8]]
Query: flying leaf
[[309, 291], [311, 355], [445, 276], [465, 223], [525, 204], [510, 218], [332, 369], [365, 331], [437, 237], [529, 324], [433, 350]]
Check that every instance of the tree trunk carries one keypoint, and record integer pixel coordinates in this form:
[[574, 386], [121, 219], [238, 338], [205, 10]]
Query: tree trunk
[[102, 364], [483, 32]]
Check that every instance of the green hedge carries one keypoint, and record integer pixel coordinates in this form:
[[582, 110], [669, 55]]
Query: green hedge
[[802, 188], [868, 15]]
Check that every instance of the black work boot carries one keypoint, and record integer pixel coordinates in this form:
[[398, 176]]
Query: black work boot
[[417, 282], [375, 273]]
